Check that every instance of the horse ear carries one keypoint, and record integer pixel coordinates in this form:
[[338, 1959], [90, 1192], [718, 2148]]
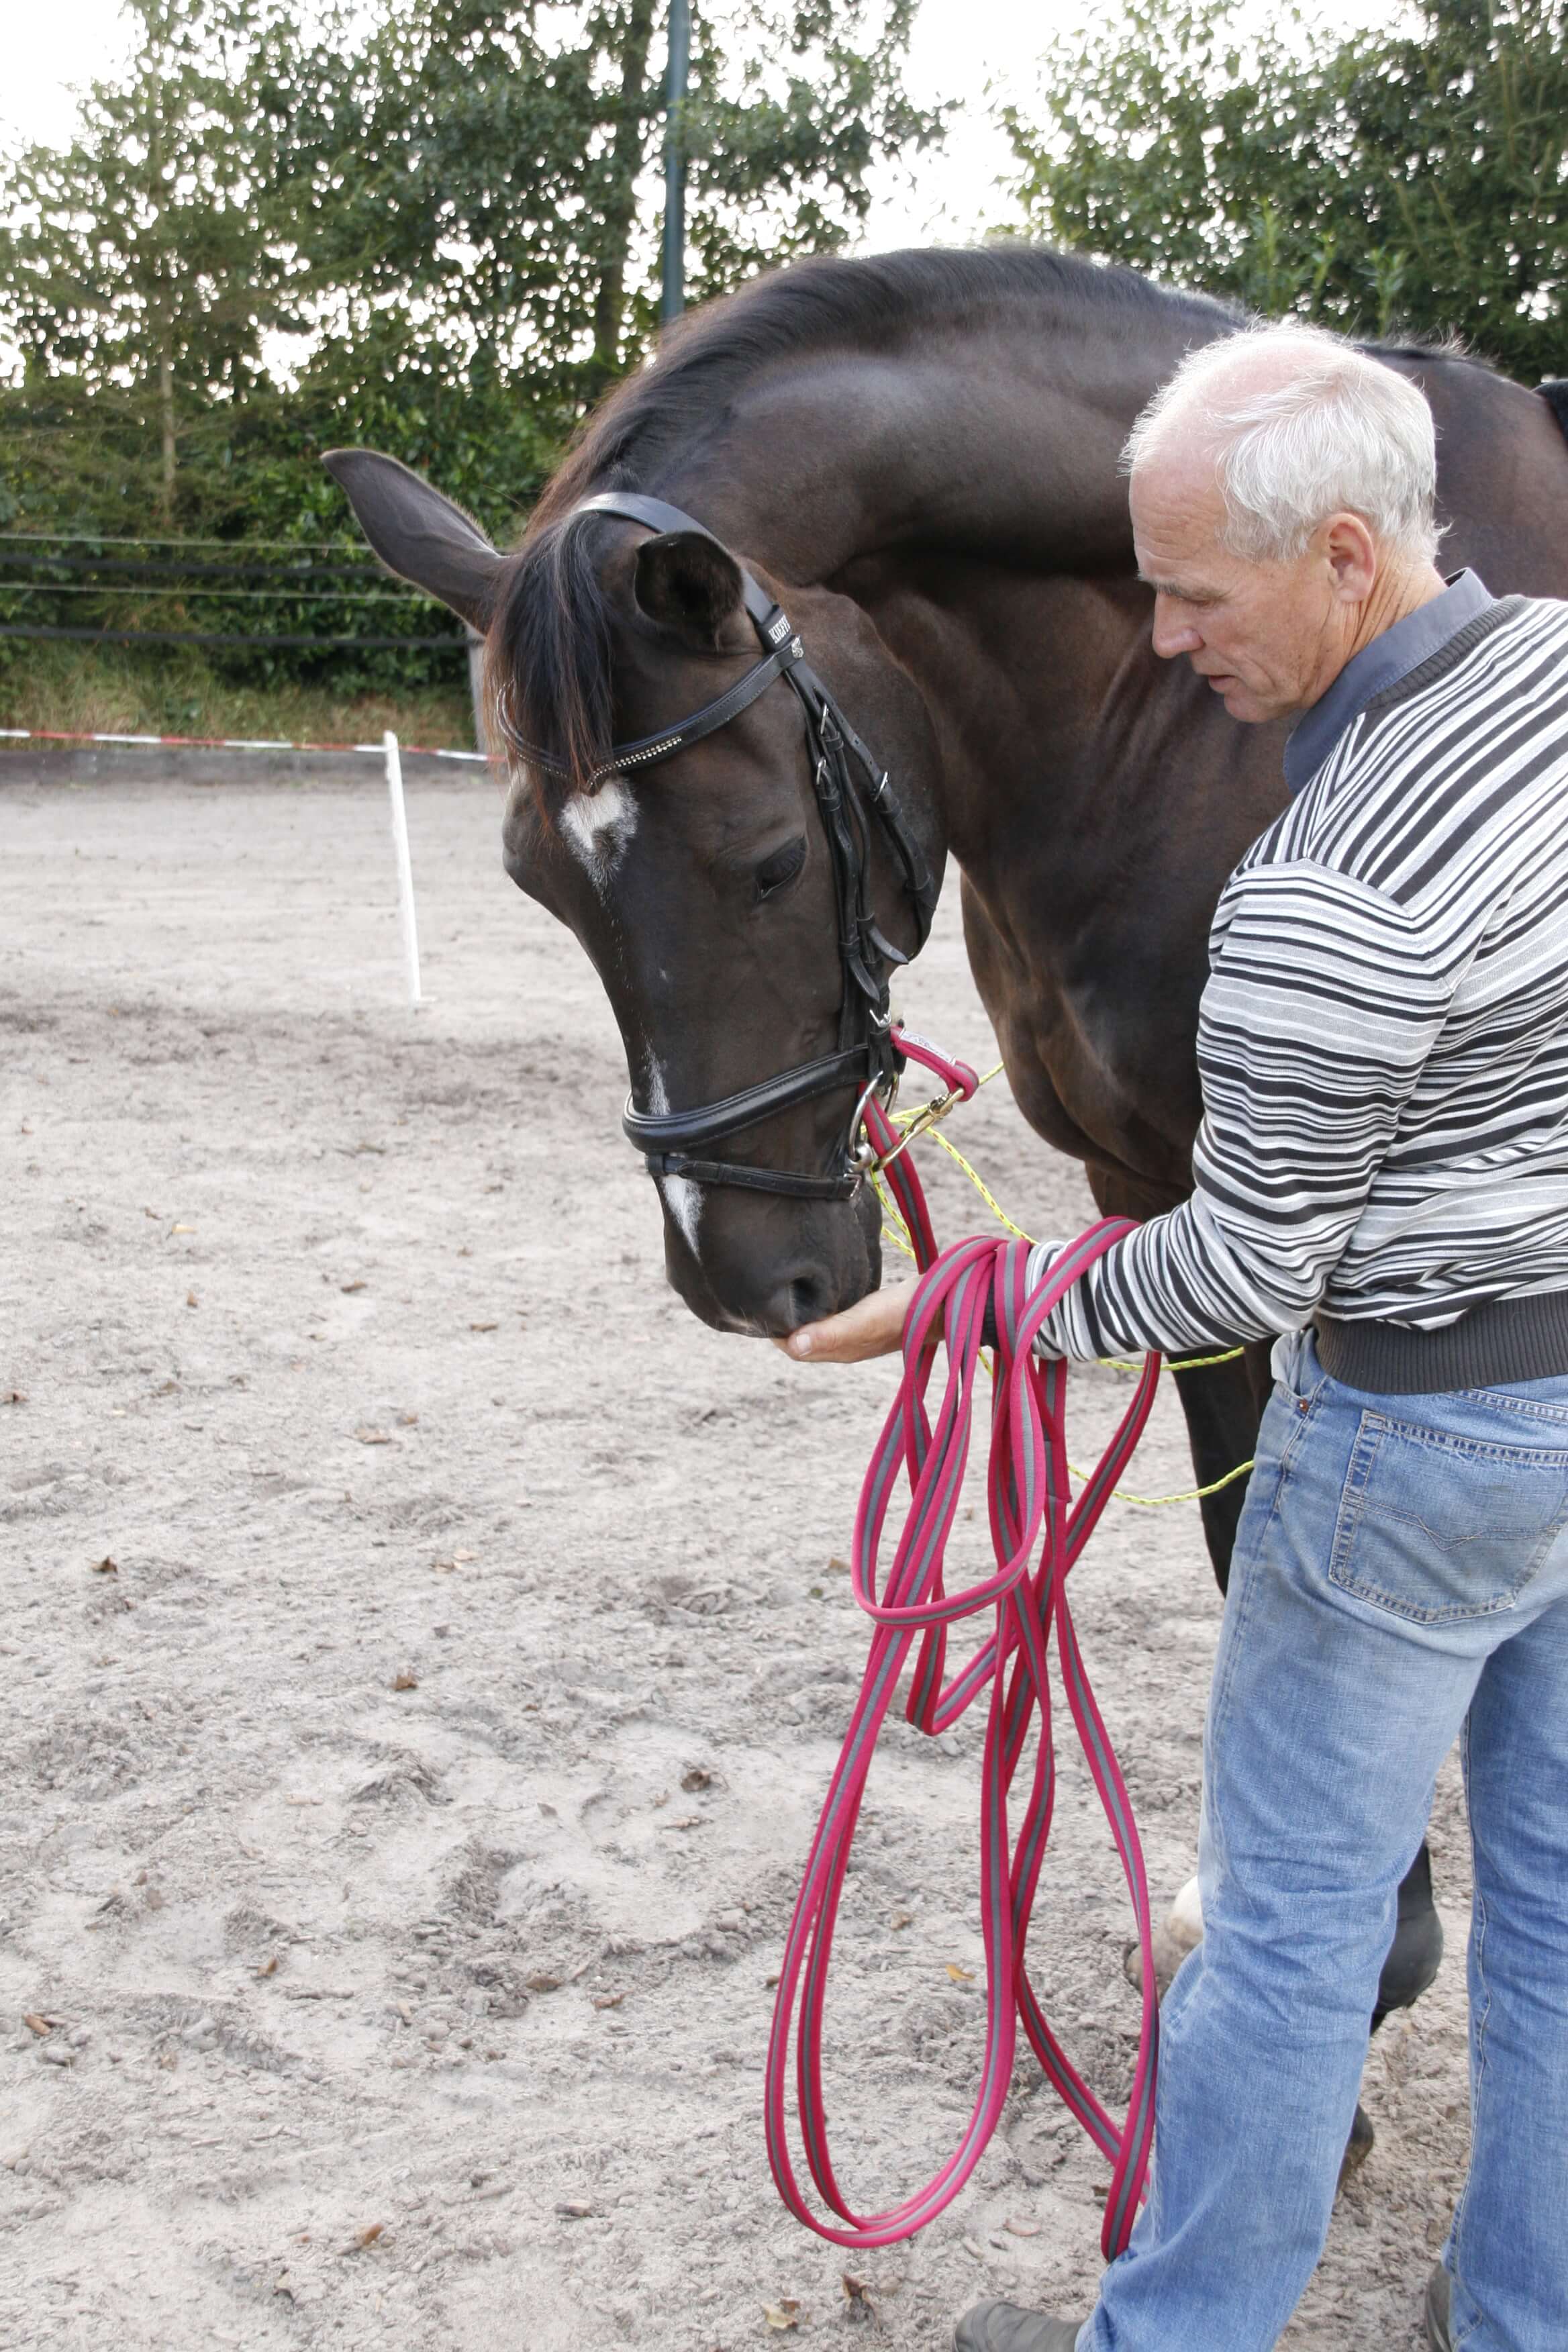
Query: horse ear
[[688, 584], [418, 534]]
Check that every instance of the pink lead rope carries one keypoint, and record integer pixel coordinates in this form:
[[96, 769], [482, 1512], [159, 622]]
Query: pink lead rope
[[1038, 1532]]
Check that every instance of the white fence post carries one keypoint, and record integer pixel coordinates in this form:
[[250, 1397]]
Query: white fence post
[[404, 866]]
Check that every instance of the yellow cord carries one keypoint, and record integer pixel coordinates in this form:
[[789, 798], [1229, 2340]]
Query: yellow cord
[[895, 1231], [1187, 1495]]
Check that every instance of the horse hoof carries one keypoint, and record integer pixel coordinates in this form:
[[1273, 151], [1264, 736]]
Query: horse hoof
[[1358, 2147], [1181, 1933], [1414, 1959]]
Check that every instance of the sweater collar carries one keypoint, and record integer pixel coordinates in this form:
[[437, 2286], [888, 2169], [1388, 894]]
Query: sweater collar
[[1383, 663]]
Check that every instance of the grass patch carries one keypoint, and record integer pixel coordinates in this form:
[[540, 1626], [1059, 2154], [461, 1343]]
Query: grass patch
[[119, 690]]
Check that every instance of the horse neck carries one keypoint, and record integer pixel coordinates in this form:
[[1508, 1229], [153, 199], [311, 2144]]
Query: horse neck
[[964, 493]]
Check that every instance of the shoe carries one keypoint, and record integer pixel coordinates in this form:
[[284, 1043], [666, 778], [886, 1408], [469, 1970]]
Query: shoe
[[1008, 2327], [1439, 2325]]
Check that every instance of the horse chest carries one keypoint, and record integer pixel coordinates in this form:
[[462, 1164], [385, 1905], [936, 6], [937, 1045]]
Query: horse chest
[[1097, 1064]]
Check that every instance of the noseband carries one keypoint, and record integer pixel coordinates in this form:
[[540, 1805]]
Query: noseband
[[674, 1143]]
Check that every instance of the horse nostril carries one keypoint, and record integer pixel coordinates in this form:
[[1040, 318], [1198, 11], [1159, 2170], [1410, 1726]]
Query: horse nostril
[[808, 1299]]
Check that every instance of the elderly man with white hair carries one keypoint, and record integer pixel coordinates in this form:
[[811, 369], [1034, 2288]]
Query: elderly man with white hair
[[1381, 1182]]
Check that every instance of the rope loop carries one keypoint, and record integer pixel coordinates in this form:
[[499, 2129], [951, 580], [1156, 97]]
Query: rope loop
[[1038, 1532]]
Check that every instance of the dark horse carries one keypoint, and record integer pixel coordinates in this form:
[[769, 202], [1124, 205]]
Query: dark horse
[[916, 455]]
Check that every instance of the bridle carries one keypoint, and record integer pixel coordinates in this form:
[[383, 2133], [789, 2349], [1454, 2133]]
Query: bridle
[[867, 1056]]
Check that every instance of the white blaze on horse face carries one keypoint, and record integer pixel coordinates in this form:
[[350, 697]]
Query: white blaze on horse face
[[680, 1196], [598, 825]]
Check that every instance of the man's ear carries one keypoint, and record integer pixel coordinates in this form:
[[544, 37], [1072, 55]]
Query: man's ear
[[1352, 554], [418, 534], [690, 585]]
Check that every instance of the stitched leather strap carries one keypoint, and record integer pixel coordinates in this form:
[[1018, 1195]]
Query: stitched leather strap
[[654, 1132]]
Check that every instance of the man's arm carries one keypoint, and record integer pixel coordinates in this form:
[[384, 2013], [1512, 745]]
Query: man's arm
[[1319, 1015]]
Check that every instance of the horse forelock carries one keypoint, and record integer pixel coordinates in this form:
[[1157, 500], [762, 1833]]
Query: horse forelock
[[547, 658]]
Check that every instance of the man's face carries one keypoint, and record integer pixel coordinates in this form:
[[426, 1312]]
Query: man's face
[[1269, 637]]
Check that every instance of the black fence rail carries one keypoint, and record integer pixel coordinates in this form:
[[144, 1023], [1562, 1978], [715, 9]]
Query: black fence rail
[[247, 597]]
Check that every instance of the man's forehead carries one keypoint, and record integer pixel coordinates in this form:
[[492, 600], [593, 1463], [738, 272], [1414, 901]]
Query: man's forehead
[[1178, 516]]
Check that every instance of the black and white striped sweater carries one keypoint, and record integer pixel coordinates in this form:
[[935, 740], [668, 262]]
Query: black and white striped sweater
[[1383, 1038]]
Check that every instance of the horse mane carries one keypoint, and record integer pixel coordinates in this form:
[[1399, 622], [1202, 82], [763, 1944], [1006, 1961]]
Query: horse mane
[[549, 649]]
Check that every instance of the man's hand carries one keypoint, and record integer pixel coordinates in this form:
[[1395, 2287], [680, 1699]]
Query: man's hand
[[874, 1327]]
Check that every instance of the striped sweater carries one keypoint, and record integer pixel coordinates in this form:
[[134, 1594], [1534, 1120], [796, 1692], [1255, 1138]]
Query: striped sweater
[[1382, 1042]]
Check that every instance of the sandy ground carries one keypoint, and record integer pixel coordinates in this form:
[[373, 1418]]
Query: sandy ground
[[399, 1836]]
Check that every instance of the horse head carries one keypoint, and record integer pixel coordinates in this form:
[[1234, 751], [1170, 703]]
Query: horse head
[[736, 865]]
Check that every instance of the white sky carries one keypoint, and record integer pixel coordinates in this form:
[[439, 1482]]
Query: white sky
[[973, 50]]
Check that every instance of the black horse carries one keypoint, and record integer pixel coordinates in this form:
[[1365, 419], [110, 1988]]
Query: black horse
[[916, 456]]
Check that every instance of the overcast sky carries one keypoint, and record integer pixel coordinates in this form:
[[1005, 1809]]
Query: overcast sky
[[973, 50]]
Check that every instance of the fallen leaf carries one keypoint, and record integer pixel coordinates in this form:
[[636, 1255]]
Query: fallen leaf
[[839, 1567], [268, 1966], [574, 2209], [484, 1326], [348, 1288], [542, 1982], [191, 1301], [36, 2023], [106, 1565], [372, 1436], [902, 1919], [786, 2313], [403, 1680], [857, 2295], [608, 2000], [959, 1976], [1021, 2228], [362, 2238]]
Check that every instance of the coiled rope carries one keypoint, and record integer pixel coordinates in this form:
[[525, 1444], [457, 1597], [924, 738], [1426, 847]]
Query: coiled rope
[[1038, 1532]]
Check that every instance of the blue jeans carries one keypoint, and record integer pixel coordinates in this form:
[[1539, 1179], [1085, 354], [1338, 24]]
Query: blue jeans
[[1400, 1576]]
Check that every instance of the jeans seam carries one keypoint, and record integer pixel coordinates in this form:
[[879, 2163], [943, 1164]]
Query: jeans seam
[[1219, 1705], [1481, 2011]]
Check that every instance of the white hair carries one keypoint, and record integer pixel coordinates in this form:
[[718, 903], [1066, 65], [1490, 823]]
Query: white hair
[[1302, 426]]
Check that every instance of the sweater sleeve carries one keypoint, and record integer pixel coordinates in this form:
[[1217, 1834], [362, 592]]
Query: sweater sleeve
[[1322, 1006]]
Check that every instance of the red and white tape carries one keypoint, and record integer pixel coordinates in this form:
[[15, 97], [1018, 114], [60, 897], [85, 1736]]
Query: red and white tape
[[229, 743]]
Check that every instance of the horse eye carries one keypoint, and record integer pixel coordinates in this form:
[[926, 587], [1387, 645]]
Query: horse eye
[[781, 867]]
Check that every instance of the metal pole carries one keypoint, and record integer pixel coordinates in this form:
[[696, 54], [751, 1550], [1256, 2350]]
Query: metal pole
[[672, 300], [404, 868]]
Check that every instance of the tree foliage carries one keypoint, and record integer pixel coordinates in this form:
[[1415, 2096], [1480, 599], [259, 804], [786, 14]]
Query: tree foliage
[[140, 273], [1398, 182], [453, 207]]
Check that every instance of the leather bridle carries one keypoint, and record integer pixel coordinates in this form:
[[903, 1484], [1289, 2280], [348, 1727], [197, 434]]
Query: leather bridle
[[674, 1143]]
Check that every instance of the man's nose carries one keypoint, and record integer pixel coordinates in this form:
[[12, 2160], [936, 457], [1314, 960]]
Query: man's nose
[[1174, 634]]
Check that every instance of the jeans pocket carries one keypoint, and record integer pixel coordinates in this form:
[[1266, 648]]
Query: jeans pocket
[[1436, 1526]]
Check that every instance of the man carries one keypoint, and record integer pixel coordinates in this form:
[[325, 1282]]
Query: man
[[1382, 1177]]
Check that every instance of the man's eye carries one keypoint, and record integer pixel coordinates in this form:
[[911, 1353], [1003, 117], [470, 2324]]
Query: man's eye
[[781, 867]]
